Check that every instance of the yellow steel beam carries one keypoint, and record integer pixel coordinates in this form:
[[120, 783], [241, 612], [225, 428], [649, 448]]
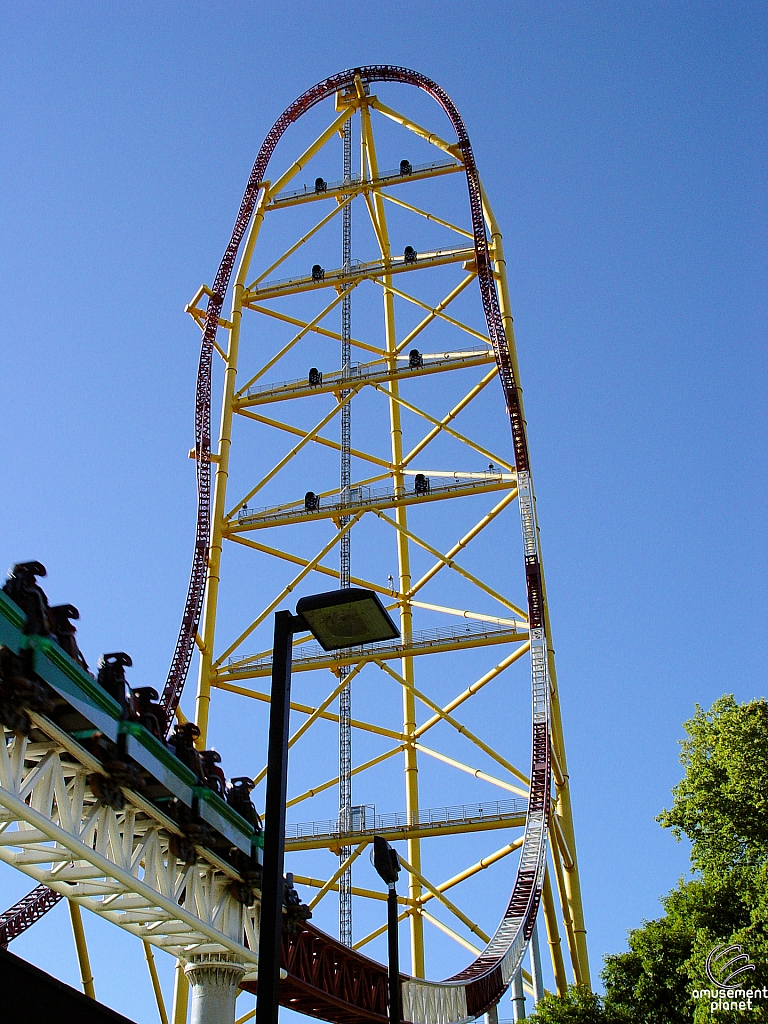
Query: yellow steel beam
[[285, 592], [461, 729], [464, 614], [306, 438], [308, 794], [426, 831], [473, 689], [284, 515], [84, 961], [562, 843], [553, 936], [297, 245], [346, 863], [314, 715], [452, 148], [339, 277], [306, 709], [311, 151], [428, 216], [374, 221], [476, 772], [382, 929], [434, 309], [311, 327], [462, 543], [557, 770], [298, 432], [298, 560], [403, 552], [449, 932], [357, 188], [180, 995], [306, 328], [149, 956], [566, 911], [466, 921], [437, 311], [366, 373], [480, 449], [333, 660], [481, 865], [199, 315], [454, 412], [369, 894], [451, 563]]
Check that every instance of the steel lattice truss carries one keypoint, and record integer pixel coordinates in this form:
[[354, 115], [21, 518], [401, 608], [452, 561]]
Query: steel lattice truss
[[115, 863], [387, 486]]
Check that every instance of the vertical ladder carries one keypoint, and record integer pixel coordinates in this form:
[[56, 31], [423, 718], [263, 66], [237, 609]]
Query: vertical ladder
[[345, 698]]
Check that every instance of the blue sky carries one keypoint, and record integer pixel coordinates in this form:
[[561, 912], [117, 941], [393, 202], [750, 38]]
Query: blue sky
[[623, 148]]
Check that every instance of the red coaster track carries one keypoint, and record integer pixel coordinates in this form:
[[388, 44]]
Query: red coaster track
[[326, 979]]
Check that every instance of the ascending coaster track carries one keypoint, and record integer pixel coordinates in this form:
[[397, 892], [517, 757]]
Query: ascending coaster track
[[149, 878]]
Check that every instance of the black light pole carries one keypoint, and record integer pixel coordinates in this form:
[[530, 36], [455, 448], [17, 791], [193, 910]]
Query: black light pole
[[386, 862], [341, 618], [271, 918]]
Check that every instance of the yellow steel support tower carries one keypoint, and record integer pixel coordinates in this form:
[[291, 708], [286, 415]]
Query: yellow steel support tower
[[432, 498]]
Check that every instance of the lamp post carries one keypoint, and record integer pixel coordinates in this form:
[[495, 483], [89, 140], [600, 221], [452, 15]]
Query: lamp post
[[387, 864], [340, 618]]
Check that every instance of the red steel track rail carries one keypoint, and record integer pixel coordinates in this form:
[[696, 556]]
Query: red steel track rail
[[23, 914], [326, 979]]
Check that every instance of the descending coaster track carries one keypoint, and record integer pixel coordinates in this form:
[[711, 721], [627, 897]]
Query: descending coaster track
[[481, 984], [326, 978]]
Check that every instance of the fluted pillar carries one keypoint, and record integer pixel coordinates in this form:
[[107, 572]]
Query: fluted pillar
[[215, 979]]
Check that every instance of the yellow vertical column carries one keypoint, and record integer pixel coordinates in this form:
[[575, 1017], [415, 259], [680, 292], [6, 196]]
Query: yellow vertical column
[[86, 975], [222, 474], [180, 995], [403, 555], [571, 897], [553, 937]]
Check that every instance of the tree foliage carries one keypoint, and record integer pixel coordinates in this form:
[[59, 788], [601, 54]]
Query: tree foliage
[[721, 805], [577, 1006], [649, 982]]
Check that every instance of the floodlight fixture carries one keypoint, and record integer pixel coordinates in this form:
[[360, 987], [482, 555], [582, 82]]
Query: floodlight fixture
[[348, 617], [385, 860], [387, 864]]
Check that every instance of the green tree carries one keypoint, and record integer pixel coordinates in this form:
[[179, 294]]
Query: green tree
[[650, 983], [577, 1006], [721, 803]]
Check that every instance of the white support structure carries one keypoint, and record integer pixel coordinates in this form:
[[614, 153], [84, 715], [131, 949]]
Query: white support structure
[[537, 978], [215, 979], [492, 1016], [116, 863], [518, 997]]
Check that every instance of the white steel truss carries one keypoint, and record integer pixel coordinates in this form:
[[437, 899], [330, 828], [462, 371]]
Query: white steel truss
[[117, 863]]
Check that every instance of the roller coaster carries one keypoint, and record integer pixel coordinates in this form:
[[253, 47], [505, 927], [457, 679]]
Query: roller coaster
[[108, 796]]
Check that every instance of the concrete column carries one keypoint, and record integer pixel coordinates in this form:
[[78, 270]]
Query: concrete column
[[492, 1017], [215, 979], [518, 997], [536, 975]]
